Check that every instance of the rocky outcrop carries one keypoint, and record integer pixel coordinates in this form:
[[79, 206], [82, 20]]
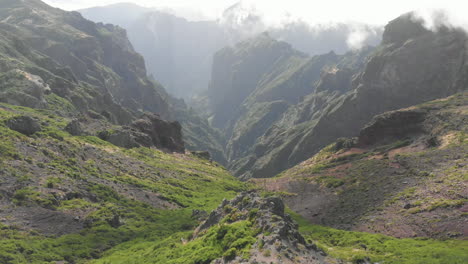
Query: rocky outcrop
[[278, 239], [392, 126], [126, 137], [24, 124], [163, 134], [74, 128], [149, 131], [23, 88], [404, 28]]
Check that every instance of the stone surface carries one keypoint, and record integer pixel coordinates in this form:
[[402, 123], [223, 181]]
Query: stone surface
[[74, 128], [279, 235], [24, 124], [163, 134]]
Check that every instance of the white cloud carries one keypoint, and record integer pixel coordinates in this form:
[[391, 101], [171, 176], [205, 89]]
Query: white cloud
[[357, 37], [312, 11]]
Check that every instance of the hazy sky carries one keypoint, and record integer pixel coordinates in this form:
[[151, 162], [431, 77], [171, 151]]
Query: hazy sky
[[312, 11]]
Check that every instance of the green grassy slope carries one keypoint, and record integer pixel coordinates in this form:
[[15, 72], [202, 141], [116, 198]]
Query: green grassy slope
[[135, 206], [404, 176], [110, 195], [360, 246]]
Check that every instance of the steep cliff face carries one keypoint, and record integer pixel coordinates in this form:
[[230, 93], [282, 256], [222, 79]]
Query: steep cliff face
[[93, 66], [237, 72], [262, 85], [408, 68]]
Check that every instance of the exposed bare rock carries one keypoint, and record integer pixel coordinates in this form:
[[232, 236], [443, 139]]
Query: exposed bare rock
[[148, 131], [278, 239], [163, 134], [74, 128], [392, 125], [24, 124]]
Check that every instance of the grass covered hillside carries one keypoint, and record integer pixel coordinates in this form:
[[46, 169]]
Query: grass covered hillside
[[79, 199], [71, 198], [362, 247], [405, 175]]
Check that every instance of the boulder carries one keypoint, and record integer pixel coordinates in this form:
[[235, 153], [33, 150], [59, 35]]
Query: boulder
[[24, 124], [74, 128], [164, 134]]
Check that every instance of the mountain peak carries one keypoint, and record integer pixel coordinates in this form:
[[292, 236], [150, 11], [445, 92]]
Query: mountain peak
[[403, 28]]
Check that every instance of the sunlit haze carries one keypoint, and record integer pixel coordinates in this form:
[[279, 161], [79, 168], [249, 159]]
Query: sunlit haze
[[313, 12]]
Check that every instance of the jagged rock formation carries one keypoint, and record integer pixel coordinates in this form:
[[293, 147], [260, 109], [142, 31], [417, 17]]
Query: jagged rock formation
[[278, 239], [289, 111], [163, 134], [23, 88], [402, 176]]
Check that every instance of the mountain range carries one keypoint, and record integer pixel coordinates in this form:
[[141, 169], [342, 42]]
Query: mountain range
[[167, 41], [345, 156], [277, 106]]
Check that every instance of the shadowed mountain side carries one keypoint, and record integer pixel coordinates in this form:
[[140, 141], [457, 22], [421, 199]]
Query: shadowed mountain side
[[398, 74]]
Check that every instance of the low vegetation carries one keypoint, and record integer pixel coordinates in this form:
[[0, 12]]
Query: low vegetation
[[356, 247], [121, 197]]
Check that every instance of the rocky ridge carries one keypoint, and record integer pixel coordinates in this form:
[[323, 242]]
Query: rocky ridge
[[278, 239]]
